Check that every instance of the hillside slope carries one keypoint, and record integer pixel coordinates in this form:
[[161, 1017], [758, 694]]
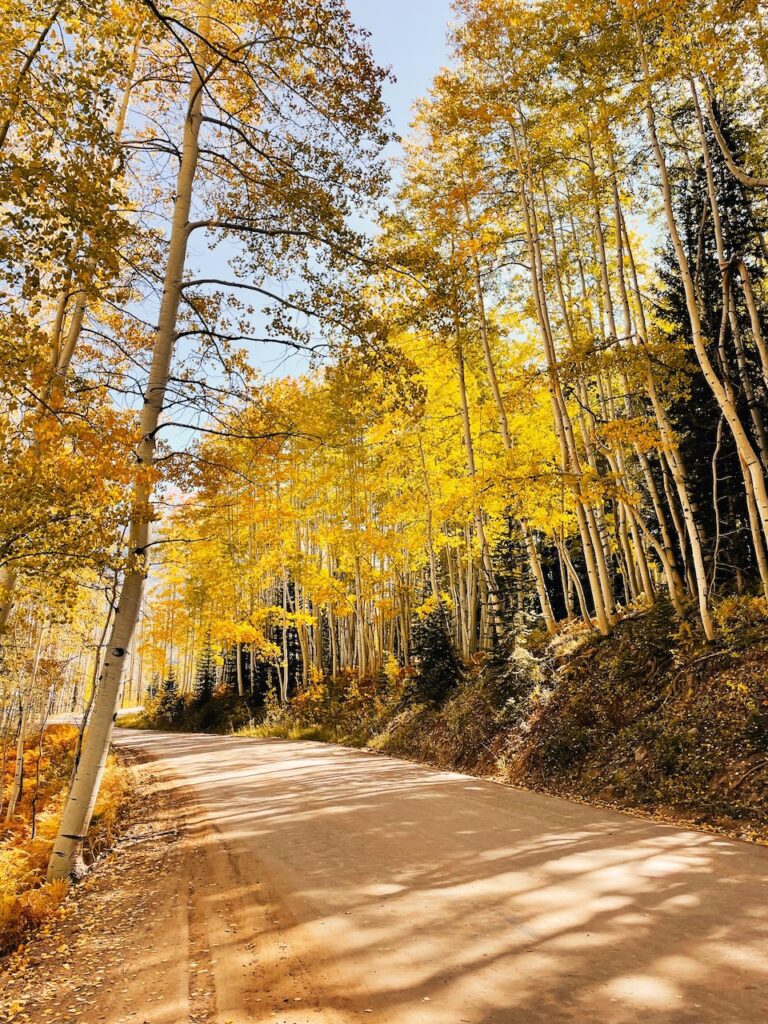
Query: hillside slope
[[647, 719]]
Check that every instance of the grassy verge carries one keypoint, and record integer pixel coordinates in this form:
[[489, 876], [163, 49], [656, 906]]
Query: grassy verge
[[135, 721], [26, 900], [224, 713], [321, 732]]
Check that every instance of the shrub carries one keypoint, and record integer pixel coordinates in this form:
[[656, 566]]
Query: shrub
[[26, 899]]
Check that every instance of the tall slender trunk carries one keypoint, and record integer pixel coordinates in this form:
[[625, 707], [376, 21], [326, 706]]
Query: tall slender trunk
[[239, 668], [433, 581], [538, 575], [17, 784], [671, 455], [284, 673], [490, 594], [78, 810], [574, 579], [501, 412], [25, 701], [727, 406], [729, 307], [590, 539]]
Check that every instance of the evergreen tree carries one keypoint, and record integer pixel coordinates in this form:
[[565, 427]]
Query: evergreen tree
[[205, 678], [438, 667], [170, 700]]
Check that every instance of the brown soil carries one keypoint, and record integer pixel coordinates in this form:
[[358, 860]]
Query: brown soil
[[134, 942]]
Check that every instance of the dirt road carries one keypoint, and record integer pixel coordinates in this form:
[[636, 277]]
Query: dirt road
[[335, 886]]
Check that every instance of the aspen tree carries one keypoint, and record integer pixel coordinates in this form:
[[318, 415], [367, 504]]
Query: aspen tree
[[216, 62], [85, 785], [729, 410]]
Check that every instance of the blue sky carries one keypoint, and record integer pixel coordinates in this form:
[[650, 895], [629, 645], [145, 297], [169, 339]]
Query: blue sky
[[410, 37], [407, 36]]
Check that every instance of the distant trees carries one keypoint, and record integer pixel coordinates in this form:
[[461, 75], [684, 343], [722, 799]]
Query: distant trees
[[540, 415], [548, 382]]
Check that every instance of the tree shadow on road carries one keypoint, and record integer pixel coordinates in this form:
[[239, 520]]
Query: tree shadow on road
[[434, 898]]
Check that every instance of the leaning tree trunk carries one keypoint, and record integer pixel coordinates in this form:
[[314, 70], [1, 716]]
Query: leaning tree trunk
[[727, 406], [78, 810]]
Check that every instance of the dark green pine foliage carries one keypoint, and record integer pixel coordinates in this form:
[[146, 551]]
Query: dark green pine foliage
[[696, 416], [438, 666], [205, 676], [170, 700]]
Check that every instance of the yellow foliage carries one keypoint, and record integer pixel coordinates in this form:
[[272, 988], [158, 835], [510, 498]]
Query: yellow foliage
[[26, 900], [427, 607]]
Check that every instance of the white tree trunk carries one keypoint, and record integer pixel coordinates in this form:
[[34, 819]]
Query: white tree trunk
[[80, 803], [7, 590], [746, 452]]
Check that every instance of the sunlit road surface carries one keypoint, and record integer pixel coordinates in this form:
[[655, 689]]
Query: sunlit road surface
[[372, 889], [74, 718]]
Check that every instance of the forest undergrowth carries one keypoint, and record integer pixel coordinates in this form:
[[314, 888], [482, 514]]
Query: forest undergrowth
[[27, 902], [652, 718]]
